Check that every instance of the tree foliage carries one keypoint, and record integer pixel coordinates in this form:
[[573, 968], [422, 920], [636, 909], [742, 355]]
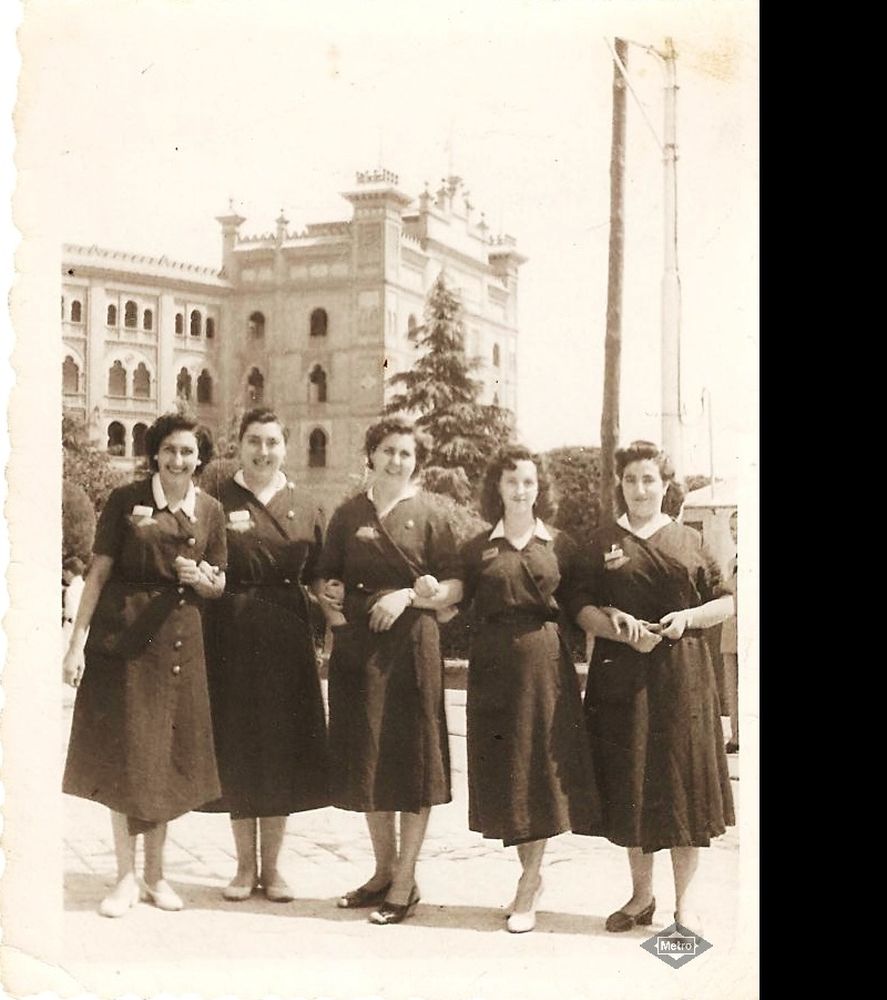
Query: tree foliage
[[575, 473], [443, 397], [78, 522], [87, 466]]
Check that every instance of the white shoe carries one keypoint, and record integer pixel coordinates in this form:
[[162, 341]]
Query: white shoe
[[520, 923], [119, 901], [163, 896]]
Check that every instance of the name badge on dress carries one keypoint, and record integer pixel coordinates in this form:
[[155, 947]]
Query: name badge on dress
[[142, 515], [367, 533], [615, 558], [488, 554], [239, 520]]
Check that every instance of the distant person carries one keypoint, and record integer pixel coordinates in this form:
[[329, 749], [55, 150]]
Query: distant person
[[396, 556], [268, 715], [529, 768], [651, 698], [729, 674], [141, 737]]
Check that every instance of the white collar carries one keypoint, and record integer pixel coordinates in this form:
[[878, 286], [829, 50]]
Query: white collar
[[277, 483], [539, 530], [160, 501], [648, 529]]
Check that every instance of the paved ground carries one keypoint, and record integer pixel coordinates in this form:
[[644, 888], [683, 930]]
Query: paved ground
[[455, 946]]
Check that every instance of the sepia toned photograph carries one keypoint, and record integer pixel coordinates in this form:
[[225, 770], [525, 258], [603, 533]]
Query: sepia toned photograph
[[382, 394]]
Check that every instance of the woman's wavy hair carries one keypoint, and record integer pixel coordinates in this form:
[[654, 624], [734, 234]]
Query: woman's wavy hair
[[643, 451], [262, 415], [377, 432], [491, 506], [168, 424]]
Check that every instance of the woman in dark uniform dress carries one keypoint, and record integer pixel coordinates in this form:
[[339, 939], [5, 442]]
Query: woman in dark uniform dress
[[651, 700], [388, 735], [141, 739], [268, 716], [529, 767]]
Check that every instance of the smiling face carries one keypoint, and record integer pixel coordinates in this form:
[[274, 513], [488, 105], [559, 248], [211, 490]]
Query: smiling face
[[643, 490], [177, 460], [262, 451], [519, 488], [394, 461]]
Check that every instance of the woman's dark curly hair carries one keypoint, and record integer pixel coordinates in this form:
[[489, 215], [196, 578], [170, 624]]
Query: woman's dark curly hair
[[168, 424], [377, 432], [643, 451], [491, 506], [262, 415]]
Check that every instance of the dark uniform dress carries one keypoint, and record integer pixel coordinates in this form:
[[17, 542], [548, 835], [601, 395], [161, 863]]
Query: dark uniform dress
[[654, 718], [388, 730], [268, 716], [529, 768], [141, 738]]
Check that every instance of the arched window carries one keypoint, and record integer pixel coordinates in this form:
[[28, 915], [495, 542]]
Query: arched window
[[76, 311], [148, 320], [117, 379], [63, 307], [496, 355], [138, 440], [204, 387], [112, 316], [317, 449], [195, 322], [317, 385], [141, 382], [319, 323], [180, 324], [210, 328], [116, 438], [255, 386], [131, 315], [183, 384], [70, 375], [495, 399], [412, 328], [257, 325]]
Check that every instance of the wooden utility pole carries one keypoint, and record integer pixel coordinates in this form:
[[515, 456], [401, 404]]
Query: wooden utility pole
[[613, 341]]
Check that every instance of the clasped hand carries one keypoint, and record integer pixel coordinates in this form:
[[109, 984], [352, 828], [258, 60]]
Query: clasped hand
[[387, 609], [640, 635], [201, 577]]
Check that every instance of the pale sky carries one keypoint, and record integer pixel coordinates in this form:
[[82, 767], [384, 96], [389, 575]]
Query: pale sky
[[142, 119]]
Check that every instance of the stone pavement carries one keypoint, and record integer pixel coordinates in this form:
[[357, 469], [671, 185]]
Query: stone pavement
[[454, 946]]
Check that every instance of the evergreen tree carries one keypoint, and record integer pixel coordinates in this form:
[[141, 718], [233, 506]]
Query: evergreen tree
[[441, 394], [87, 466]]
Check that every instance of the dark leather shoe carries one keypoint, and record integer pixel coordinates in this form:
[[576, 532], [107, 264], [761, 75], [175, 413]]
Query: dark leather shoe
[[363, 897], [394, 913], [622, 921]]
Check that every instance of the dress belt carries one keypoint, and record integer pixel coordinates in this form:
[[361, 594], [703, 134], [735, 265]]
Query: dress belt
[[537, 620]]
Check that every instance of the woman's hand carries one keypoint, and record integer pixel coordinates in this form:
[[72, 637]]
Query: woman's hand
[[426, 586], [72, 665], [673, 625], [646, 642], [388, 609], [625, 625]]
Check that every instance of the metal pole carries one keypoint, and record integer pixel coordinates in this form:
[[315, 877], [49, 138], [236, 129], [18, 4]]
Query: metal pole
[[613, 339], [671, 283]]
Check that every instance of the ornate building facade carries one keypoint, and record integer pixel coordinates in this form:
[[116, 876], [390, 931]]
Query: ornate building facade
[[311, 323]]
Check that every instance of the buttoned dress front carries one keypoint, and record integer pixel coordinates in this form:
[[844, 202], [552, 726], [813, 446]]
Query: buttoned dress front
[[654, 718], [388, 730], [141, 737], [530, 774], [267, 703]]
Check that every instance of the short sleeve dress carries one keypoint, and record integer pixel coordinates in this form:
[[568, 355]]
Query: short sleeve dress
[[388, 733], [654, 718], [141, 736], [530, 774], [267, 704]]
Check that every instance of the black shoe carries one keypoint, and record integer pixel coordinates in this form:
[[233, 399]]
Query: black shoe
[[363, 897], [732, 747], [622, 921], [394, 913]]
